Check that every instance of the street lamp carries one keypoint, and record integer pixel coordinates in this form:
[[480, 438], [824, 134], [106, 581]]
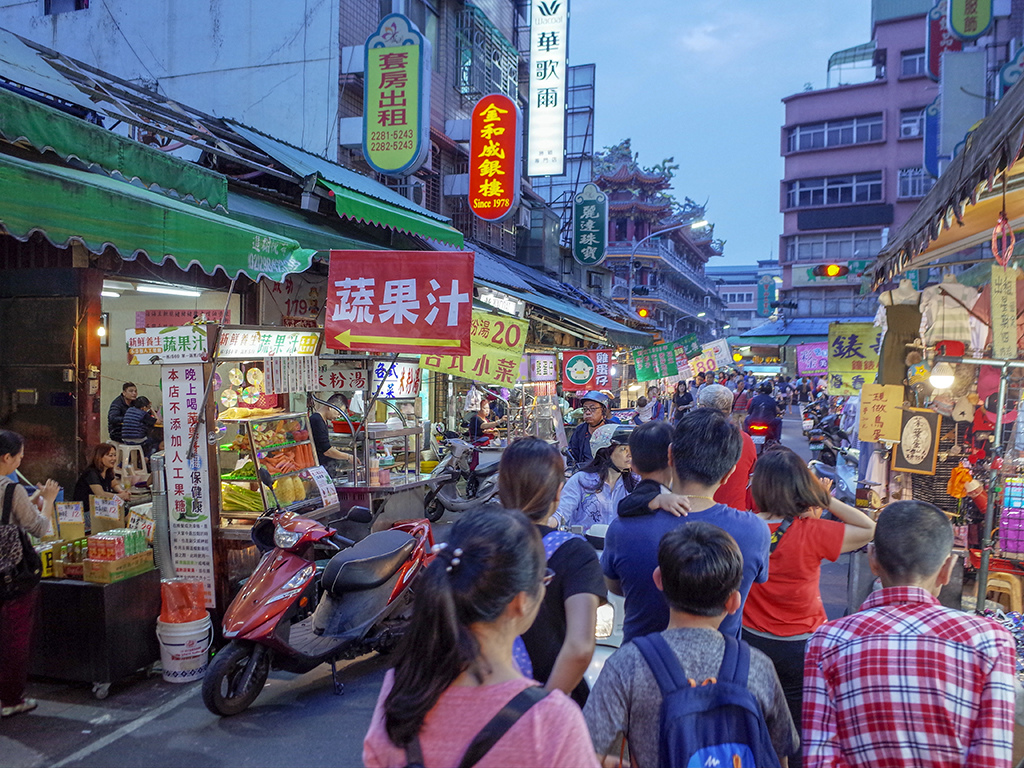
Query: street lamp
[[642, 240]]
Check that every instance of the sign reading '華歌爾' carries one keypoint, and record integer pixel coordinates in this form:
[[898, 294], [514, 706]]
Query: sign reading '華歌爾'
[[549, 27], [396, 97]]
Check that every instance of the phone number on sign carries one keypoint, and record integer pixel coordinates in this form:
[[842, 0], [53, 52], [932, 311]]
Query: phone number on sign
[[382, 135], [388, 146]]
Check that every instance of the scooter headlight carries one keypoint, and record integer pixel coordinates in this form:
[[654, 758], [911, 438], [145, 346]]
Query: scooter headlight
[[284, 539], [605, 621], [300, 578]]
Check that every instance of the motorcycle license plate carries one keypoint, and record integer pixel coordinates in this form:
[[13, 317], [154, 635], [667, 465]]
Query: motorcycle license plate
[[816, 446], [757, 439], [808, 423]]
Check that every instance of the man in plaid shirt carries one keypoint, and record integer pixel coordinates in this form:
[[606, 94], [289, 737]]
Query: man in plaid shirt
[[906, 681]]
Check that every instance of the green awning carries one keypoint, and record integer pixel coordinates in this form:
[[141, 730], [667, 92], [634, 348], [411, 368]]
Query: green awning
[[762, 341], [297, 225], [23, 120], [67, 205], [353, 205]]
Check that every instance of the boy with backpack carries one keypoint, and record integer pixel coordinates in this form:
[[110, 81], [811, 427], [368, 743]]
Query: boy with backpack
[[691, 695]]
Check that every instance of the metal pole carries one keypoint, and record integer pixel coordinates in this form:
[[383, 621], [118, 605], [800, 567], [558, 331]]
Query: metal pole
[[990, 510]]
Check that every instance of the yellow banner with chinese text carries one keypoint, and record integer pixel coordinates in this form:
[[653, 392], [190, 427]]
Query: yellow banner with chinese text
[[496, 350], [852, 357], [880, 414]]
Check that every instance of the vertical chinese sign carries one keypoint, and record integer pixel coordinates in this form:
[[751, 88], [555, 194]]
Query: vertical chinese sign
[[495, 151], [969, 19], [852, 357], [590, 226], [1004, 312], [766, 294], [939, 40], [549, 27], [495, 355], [396, 97], [188, 481], [400, 301], [589, 370], [880, 413]]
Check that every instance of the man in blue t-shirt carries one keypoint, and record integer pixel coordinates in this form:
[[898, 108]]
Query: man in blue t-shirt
[[703, 454]]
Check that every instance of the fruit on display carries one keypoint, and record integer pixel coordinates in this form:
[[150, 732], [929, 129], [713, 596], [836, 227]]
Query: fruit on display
[[290, 490], [290, 459]]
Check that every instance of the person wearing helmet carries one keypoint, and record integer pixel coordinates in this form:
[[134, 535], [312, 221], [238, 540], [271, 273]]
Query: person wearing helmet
[[591, 496], [764, 409], [596, 408]]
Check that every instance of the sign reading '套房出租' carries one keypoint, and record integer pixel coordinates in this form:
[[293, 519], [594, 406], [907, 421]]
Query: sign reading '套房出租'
[[396, 97]]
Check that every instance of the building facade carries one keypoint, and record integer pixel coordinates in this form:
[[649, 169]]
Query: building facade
[[854, 168], [660, 278], [738, 288]]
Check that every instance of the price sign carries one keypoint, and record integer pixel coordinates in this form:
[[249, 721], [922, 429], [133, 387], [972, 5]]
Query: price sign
[[140, 522], [324, 484], [70, 512], [706, 363], [108, 509]]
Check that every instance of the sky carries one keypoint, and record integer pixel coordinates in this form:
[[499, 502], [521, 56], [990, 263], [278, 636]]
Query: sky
[[703, 81]]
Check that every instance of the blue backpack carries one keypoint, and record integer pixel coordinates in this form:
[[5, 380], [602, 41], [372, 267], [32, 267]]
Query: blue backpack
[[717, 724]]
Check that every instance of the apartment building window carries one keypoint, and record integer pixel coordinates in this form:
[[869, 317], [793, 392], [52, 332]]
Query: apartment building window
[[51, 7], [485, 60], [914, 182], [912, 63], [911, 123], [738, 298], [835, 190], [834, 246], [835, 133]]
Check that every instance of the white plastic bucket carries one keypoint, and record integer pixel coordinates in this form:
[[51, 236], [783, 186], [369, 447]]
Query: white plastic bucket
[[185, 649]]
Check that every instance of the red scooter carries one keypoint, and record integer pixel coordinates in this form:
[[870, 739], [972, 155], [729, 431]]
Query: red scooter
[[292, 618]]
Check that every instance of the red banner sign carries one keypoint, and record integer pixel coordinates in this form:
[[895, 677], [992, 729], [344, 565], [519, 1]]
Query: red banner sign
[[495, 148], [586, 369], [939, 40], [400, 301]]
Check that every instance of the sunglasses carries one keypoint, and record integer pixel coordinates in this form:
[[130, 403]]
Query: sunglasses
[[548, 576]]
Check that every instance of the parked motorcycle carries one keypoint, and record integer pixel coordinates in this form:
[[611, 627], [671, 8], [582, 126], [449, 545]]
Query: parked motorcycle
[[287, 618], [479, 485]]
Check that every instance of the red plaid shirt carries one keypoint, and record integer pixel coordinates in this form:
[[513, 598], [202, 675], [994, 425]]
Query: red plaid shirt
[[908, 682]]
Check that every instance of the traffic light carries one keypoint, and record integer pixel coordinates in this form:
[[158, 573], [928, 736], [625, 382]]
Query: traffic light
[[642, 312], [830, 270]]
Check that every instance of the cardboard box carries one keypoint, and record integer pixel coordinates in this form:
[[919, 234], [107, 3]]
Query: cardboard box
[[109, 571], [63, 570], [49, 552]]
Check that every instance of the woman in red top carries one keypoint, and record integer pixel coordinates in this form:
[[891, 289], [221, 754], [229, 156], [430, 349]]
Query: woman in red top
[[780, 614]]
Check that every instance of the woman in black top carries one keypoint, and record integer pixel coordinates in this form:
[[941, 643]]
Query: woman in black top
[[682, 399], [327, 455], [561, 640], [479, 426], [98, 479]]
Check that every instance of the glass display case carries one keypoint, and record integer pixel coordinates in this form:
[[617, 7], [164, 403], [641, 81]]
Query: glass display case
[[386, 457], [282, 445]]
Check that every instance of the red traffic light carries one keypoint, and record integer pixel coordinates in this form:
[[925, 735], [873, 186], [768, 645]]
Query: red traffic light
[[830, 270]]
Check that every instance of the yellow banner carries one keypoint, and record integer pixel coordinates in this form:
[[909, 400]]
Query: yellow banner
[[852, 357], [1004, 313], [880, 414], [496, 350]]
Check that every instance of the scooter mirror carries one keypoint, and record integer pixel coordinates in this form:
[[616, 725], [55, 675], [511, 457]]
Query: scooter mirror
[[265, 477], [359, 515]]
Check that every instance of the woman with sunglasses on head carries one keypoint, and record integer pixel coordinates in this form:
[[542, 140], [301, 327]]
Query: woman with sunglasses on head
[[455, 670], [560, 643], [781, 613]]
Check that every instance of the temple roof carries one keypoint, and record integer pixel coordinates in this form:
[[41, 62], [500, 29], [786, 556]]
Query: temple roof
[[629, 174]]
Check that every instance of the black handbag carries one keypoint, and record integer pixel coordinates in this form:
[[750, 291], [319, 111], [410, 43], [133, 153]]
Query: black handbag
[[21, 568]]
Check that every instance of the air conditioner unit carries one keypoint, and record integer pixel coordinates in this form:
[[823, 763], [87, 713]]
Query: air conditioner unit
[[416, 190], [595, 280], [910, 130]]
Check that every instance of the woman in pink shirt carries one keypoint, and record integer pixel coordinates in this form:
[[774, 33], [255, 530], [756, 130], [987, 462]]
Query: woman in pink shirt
[[455, 670]]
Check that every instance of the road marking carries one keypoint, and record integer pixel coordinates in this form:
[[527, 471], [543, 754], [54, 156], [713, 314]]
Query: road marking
[[128, 728]]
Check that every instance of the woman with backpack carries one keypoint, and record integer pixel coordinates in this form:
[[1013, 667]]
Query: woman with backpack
[[560, 643], [591, 496], [781, 613], [17, 613], [455, 671]]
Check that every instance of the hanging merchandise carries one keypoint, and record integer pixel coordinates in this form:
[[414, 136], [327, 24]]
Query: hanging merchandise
[[1011, 521], [946, 313]]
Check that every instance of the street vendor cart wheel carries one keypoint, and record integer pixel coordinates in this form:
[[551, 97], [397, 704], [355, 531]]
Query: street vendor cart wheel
[[235, 677], [101, 690]]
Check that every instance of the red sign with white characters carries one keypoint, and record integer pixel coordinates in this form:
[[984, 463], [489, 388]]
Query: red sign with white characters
[[495, 151], [400, 301]]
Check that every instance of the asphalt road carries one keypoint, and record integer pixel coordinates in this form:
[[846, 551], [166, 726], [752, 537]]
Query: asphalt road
[[297, 720]]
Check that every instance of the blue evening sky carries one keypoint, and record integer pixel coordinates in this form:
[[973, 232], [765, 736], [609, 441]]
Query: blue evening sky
[[702, 80]]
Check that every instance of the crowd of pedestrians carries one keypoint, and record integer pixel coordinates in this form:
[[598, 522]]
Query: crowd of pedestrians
[[728, 658]]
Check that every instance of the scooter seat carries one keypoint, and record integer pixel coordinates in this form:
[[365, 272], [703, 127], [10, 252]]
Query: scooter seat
[[368, 563], [486, 470]]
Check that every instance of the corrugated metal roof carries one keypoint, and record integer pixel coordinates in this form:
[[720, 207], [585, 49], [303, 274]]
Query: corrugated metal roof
[[800, 326], [22, 65], [494, 269]]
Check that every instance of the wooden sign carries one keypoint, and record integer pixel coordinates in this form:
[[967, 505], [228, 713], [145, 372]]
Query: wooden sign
[[1004, 313], [918, 448]]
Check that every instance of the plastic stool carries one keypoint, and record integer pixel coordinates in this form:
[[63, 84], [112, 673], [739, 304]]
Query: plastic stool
[[129, 457], [1009, 585]]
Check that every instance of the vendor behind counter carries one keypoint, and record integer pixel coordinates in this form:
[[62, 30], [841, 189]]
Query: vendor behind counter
[[327, 455]]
